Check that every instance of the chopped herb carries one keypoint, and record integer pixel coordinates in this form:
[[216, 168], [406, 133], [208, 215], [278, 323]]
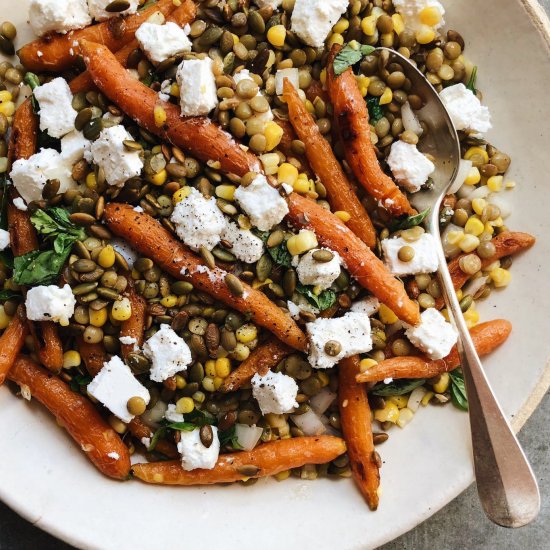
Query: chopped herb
[[79, 381], [398, 387], [6, 258], [324, 300], [410, 221], [349, 56], [33, 82], [229, 437], [200, 418], [375, 110], [472, 82], [163, 430], [458, 390], [279, 254]]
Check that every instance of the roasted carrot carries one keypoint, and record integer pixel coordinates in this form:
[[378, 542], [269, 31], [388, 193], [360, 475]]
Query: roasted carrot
[[352, 120], [94, 356], [23, 237], [486, 337], [47, 344], [263, 358], [59, 52], [182, 16], [199, 135], [361, 262], [341, 194], [77, 415], [266, 460], [12, 341], [134, 327], [140, 430], [24, 132], [152, 240], [355, 416]]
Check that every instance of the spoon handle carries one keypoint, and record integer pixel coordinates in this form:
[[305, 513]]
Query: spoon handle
[[506, 485]]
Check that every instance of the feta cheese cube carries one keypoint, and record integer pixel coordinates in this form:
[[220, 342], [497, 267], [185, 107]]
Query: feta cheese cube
[[271, 3], [4, 239], [56, 113], [312, 20], [293, 76], [262, 203], [198, 92], [58, 16], [99, 13], [172, 415], [275, 392], [425, 255], [30, 175], [168, 353], [352, 332], [50, 303], [75, 147], [410, 11], [199, 221], [465, 109], [409, 166], [369, 306], [194, 454], [313, 272], [244, 244], [434, 336], [159, 42], [114, 385], [109, 153]]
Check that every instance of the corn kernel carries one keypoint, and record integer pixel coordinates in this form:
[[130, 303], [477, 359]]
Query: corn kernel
[[241, 352], [273, 134], [8, 108], [400, 400], [226, 192], [181, 194], [499, 222], [208, 384], [304, 241], [185, 405], [478, 205], [341, 26], [5, 319], [281, 476], [398, 24], [323, 378], [169, 301], [287, 173], [430, 16], [471, 317], [427, 398], [301, 185], [246, 333], [405, 416], [343, 215], [386, 97], [122, 310], [160, 116], [445, 314], [218, 381], [501, 277], [459, 294], [442, 385], [489, 229], [180, 382], [323, 77], [310, 107], [175, 90], [235, 38], [5, 96], [363, 83], [474, 226], [210, 368], [335, 38], [98, 318], [159, 178], [366, 364], [468, 243], [176, 3], [425, 34], [494, 183], [510, 184], [106, 258], [256, 283], [223, 367], [473, 176], [390, 413], [71, 359], [386, 315], [368, 25], [454, 237], [91, 181], [135, 274], [276, 36]]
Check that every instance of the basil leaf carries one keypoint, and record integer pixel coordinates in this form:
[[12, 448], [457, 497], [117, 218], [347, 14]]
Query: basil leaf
[[458, 390], [182, 426], [375, 110], [279, 254], [159, 434], [79, 381], [323, 301], [200, 418], [229, 437], [349, 56], [56, 221], [472, 81], [397, 387], [9, 295], [40, 267], [410, 221]]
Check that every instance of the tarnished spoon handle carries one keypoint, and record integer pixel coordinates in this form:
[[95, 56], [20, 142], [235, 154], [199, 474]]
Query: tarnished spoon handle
[[505, 481]]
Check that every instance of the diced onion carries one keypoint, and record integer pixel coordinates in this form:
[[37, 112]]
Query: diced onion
[[309, 423], [474, 286], [247, 436], [322, 401], [479, 193], [503, 204], [410, 122], [464, 168], [155, 414], [415, 398]]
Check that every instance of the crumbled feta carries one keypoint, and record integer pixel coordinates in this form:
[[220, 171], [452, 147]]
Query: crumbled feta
[[30, 175], [50, 303], [265, 117], [271, 3], [410, 11], [321, 274], [293, 76], [434, 336], [56, 113], [352, 332], [312, 20], [109, 153], [75, 147], [99, 13], [146, 442], [425, 255], [4, 239], [171, 415], [128, 341], [262, 203], [369, 306], [19, 203], [198, 92], [294, 309], [465, 109], [245, 246], [159, 42], [199, 221], [114, 385], [194, 454], [58, 15], [275, 392], [125, 250], [114, 455], [409, 166], [168, 353]]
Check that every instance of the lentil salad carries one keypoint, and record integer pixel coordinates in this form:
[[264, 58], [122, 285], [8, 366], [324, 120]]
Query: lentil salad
[[100, 277]]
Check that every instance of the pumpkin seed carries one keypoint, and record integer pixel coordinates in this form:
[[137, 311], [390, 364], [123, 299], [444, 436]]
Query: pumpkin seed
[[92, 276], [234, 285], [248, 470], [223, 255], [138, 363], [83, 118], [333, 348], [380, 438], [207, 435], [323, 256], [50, 189], [108, 293], [84, 266], [275, 239], [228, 340], [208, 257], [290, 280], [116, 6], [85, 288], [210, 36], [264, 267], [132, 145], [6, 46]]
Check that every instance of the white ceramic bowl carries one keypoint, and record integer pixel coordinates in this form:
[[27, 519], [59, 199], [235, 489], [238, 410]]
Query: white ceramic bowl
[[48, 480]]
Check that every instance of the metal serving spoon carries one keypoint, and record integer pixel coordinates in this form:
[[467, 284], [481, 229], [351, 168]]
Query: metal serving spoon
[[506, 485]]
